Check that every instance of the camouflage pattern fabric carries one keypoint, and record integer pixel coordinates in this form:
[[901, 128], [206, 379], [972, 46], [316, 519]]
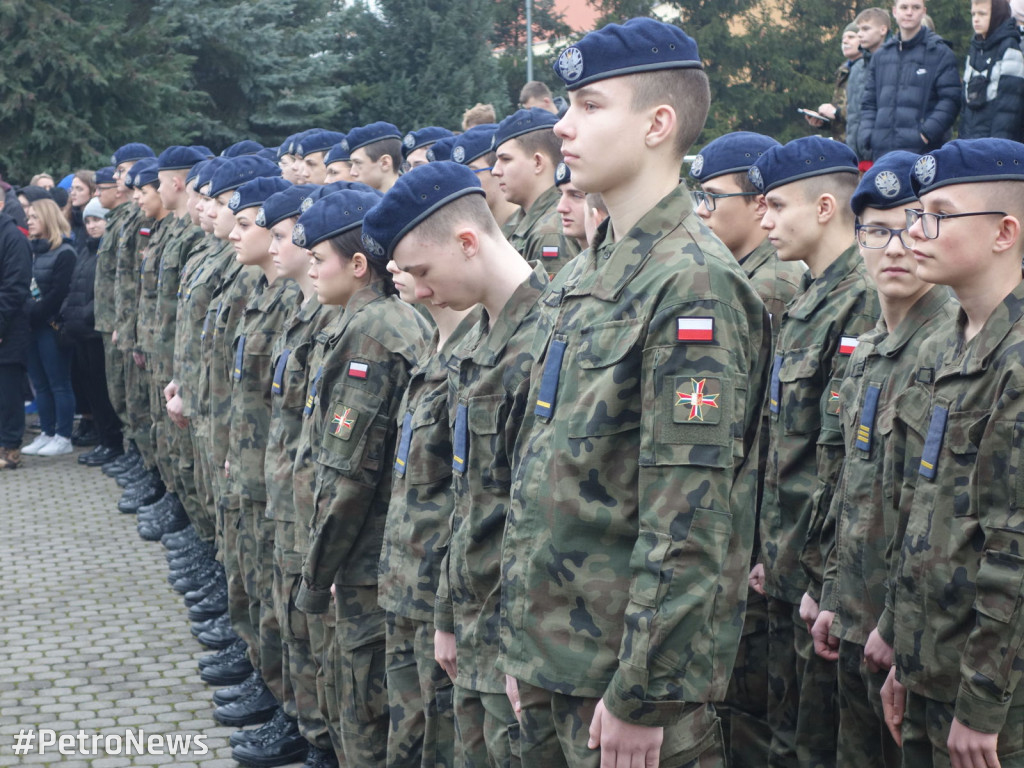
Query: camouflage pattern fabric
[[537, 233]]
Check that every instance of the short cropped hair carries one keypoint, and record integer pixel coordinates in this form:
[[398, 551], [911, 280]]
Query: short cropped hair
[[378, 149], [878, 16], [471, 209], [745, 184], [1007, 196], [840, 185], [348, 244], [54, 224], [534, 89], [687, 91], [543, 141], [595, 201], [479, 114]]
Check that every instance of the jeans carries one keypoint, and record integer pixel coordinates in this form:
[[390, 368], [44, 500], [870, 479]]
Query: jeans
[[49, 369]]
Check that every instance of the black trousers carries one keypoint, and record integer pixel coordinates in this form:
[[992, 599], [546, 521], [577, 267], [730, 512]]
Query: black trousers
[[90, 359], [12, 404]]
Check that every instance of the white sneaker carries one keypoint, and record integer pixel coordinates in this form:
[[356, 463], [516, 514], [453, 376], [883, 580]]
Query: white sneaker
[[57, 446], [41, 441]]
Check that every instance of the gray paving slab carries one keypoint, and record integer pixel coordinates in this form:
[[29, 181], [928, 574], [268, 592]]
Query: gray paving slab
[[93, 638]]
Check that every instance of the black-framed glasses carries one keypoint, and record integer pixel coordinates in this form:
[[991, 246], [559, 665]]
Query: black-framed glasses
[[875, 236], [708, 199], [930, 221]]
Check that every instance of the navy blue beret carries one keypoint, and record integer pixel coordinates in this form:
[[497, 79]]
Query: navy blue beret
[[562, 175], [317, 141], [369, 134], [474, 143], [967, 161], [194, 171], [240, 148], [286, 147], [520, 122], [254, 193], [323, 190], [639, 45], [238, 170], [732, 153], [441, 150], [145, 172], [105, 175], [204, 150], [801, 158], [206, 171], [337, 153], [178, 158], [283, 205], [887, 183], [414, 197], [424, 137], [130, 153], [332, 215]]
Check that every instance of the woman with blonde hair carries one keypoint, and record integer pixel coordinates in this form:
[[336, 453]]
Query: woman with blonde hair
[[49, 364]]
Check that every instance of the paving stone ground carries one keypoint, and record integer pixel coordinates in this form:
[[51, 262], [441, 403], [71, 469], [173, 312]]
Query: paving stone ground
[[92, 636]]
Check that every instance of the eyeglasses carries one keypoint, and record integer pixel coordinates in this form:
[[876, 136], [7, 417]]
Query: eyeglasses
[[707, 199], [874, 236], [481, 170], [930, 221]]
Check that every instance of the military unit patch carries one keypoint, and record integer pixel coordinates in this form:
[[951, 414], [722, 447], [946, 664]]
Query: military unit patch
[[358, 370], [697, 400], [343, 421], [695, 329]]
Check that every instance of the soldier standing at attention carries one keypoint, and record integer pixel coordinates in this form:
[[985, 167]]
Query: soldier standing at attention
[[416, 143], [807, 186], [374, 155], [628, 543], [858, 530], [572, 203], [526, 154], [435, 225], [954, 612], [364, 372], [473, 149], [732, 208]]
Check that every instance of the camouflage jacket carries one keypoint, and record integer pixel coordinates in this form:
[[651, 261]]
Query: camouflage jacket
[[252, 377], [418, 525], [627, 547], [537, 233], [488, 394], [374, 346], [955, 608], [199, 279], [176, 252], [105, 285], [860, 524], [818, 334], [289, 360], [775, 281], [150, 255], [134, 237]]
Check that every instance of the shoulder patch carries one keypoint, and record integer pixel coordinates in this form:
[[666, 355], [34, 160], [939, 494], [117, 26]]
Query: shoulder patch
[[697, 400], [695, 329], [343, 421], [358, 370], [847, 344], [549, 251]]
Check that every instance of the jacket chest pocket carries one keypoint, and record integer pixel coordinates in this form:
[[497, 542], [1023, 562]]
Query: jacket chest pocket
[[353, 436], [603, 392], [424, 447], [799, 390], [488, 456]]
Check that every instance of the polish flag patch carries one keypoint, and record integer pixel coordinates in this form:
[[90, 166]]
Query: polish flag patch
[[695, 329], [847, 344], [549, 251], [145, 231], [358, 370]]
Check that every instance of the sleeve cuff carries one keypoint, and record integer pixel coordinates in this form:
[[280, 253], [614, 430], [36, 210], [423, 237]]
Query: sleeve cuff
[[444, 616], [313, 600], [981, 714], [624, 698], [885, 627], [829, 597]]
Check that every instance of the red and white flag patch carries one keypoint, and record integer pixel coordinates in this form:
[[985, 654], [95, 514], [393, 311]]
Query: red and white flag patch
[[549, 251], [358, 370], [847, 344], [695, 329]]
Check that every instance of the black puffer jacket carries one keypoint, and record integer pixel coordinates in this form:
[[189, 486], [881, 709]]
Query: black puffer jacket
[[994, 86], [52, 272], [15, 275], [912, 88], [77, 313]]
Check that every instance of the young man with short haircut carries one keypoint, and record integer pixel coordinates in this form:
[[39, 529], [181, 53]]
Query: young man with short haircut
[[375, 154], [473, 149], [571, 204], [628, 542]]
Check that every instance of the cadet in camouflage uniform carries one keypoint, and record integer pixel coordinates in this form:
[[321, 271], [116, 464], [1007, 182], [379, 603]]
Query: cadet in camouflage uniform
[[363, 375], [628, 543], [807, 186], [374, 154], [955, 607], [473, 149], [526, 154], [860, 526], [303, 636], [422, 726], [489, 380], [732, 208]]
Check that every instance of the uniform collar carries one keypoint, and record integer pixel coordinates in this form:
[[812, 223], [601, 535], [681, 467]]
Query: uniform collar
[[819, 288], [757, 258], [927, 308], [977, 354], [547, 200], [493, 340]]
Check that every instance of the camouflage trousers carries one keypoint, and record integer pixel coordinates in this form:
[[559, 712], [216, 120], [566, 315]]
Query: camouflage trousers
[[422, 728], [864, 738], [803, 705], [556, 727], [229, 518], [486, 730], [114, 367], [200, 507], [301, 662], [161, 437], [255, 552], [355, 666], [137, 418], [925, 731], [744, 712]]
